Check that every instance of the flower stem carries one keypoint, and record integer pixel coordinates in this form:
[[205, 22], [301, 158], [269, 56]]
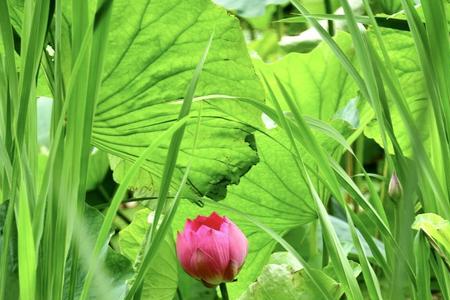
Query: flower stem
[[223, 291]]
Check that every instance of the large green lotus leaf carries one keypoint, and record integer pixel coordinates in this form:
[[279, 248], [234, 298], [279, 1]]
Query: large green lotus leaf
[[284, 279], [162, 279], [437, 230], [316, 81], [141, 186], [282, 283], [403, 55], [337, 93], [153, 49]]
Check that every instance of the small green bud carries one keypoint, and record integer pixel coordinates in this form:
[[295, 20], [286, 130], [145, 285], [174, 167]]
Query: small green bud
[[395, 188]]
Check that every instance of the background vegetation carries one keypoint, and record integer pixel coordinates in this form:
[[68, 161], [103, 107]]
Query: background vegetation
[[290, 118]]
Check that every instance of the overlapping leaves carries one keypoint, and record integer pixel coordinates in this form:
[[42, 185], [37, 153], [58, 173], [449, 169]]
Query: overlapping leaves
[[154, 47], [273, 191], [315, 81], [402, 52], [284, 279], [162, 279]]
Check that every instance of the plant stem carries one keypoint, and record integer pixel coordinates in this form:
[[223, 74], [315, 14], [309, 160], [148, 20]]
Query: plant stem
[[312, 240], [180, 297], [329, 10], [223, 291]]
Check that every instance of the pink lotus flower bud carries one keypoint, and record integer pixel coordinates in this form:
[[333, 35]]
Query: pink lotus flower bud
[[211, 249]]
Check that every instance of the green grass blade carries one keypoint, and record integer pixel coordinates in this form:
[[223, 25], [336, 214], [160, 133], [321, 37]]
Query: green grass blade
[[346, 63], [150, 249], [440, 269], [32, 46], [5, 161], [422, 256], [4, 256], [8, 45], [116, 201], [311, 145], [371, 280], [340, 263], [381, 21], [26, 247]]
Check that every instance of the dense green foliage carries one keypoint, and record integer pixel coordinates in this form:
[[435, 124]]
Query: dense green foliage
[[288, 117]]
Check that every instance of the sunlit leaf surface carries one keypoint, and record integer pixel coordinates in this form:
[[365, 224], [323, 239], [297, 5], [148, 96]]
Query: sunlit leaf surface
[[146, 75], [162, 279]]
